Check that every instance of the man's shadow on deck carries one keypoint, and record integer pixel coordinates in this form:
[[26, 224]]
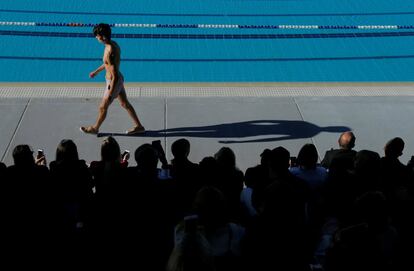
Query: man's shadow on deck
[[245, 132]]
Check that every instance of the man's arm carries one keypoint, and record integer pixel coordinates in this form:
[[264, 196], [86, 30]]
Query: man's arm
[[98, 70]]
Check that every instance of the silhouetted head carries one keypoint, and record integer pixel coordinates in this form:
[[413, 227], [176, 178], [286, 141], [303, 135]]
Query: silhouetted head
[[210, 206], [279, 159], [225, 157], [394, 148], [23, 156], [146, 157], [366, 161], [67, 151], [192, 252], [346, 140], [208, 163], [209, 170], [102, 32], [308, 156], [265, 156], [110, 151], [180, 149]]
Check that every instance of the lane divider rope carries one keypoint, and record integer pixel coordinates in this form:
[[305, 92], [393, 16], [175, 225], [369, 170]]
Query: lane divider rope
[[204, 26]]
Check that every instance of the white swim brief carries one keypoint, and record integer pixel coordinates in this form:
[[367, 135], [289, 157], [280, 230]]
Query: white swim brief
[[118, 88]]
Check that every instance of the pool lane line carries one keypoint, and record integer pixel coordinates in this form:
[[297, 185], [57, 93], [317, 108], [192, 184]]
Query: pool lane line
[[213, 36], [271, 59], [205, 26], [166, 14]]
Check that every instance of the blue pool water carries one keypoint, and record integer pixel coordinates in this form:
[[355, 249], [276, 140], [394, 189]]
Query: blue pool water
[[197, 41]]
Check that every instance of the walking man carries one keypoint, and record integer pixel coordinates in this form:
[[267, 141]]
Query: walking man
[[114, 82]]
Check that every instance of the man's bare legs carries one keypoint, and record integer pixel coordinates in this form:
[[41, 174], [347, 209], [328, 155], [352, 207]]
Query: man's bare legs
[[103, 110], [123, 100]]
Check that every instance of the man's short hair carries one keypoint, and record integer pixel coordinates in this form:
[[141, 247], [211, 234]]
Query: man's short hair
[[146, 156], [103, 30], [279, 158], [180, 148], [394, 148], [23, 155]]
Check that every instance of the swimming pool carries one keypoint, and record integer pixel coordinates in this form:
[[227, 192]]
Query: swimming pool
[[211, 41]]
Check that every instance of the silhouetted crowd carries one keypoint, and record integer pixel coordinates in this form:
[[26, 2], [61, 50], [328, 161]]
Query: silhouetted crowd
[[351, 211]]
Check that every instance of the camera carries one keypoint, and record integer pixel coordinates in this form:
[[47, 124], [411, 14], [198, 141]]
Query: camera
[[40, 158], [40, 153], [125, 155], [156, 144]]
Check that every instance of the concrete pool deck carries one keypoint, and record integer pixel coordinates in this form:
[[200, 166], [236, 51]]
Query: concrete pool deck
[[245, 117]]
